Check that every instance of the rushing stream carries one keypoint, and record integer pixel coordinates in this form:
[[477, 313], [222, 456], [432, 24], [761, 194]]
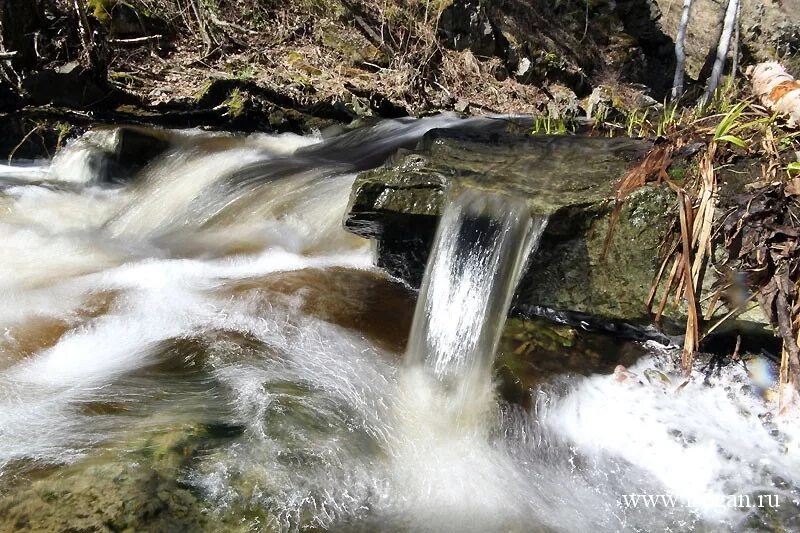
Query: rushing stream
[[205, 348]]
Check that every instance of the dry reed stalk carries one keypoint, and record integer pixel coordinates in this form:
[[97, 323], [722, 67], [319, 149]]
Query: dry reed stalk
[[783, 378], [696, 232], [731, 313], [712, 304], [691, 338], [670, 281], [788, 378], [702, 231], [679, 288], [685, 203], [735, 355], [654, 287]]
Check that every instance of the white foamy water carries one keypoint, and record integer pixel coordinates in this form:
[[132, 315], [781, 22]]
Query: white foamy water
[[172, 299]]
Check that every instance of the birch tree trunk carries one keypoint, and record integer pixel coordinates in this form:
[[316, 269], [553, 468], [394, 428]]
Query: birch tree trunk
[[777, 89], [736, 37], [722, 51], [680, 52]]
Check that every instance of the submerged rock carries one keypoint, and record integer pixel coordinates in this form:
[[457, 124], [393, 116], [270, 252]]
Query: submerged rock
[[137, 490], [535, 352], [113, 155], [139, 484]]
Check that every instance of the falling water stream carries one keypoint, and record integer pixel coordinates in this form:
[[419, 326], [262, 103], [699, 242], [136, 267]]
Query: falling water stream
[[207, 343], [480, 250]]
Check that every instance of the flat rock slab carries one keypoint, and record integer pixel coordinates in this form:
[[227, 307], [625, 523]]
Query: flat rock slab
[[550, 172]]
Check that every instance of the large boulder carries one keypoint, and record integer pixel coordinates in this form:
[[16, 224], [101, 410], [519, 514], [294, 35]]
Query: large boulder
[[71, 86], [551, 171], [569, 179], [464, 25]]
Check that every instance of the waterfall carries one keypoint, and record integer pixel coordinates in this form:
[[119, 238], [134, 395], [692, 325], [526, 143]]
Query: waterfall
[[206, 340], [443, 459], [480, 250]]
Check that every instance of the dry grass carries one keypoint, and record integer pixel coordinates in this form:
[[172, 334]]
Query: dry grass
[[735, 128]]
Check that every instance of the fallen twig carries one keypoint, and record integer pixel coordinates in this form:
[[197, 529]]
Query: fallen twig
[[373, 36], [735, 311], [137, 40], [36, 129]]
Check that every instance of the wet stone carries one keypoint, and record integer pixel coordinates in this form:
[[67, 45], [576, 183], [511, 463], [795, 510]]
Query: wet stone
[[534, 352], [583, 264]]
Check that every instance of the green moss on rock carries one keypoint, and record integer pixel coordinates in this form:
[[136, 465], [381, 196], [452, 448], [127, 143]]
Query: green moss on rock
[[570, 179], [532, 352], [137, 486]]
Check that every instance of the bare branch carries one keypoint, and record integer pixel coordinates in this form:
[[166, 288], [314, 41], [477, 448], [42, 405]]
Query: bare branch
[[137, 40]]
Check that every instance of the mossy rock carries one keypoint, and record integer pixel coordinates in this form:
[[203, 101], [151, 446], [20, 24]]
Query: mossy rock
[[575, 270], [543, 169], [569, 179], [533, 352], [122, 19], [136, 486], [350, 46], [250, 106], [582, 264]]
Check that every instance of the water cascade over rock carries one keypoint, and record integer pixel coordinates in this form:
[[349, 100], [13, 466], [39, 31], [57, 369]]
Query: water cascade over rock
[[479, 253], [198, 345], [570, 179]]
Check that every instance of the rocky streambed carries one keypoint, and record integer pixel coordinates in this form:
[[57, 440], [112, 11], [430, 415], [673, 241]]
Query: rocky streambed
[[208, 349]]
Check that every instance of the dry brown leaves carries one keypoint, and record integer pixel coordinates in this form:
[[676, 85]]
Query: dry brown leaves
[[652, 168], [689, 254], [762, 236]]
